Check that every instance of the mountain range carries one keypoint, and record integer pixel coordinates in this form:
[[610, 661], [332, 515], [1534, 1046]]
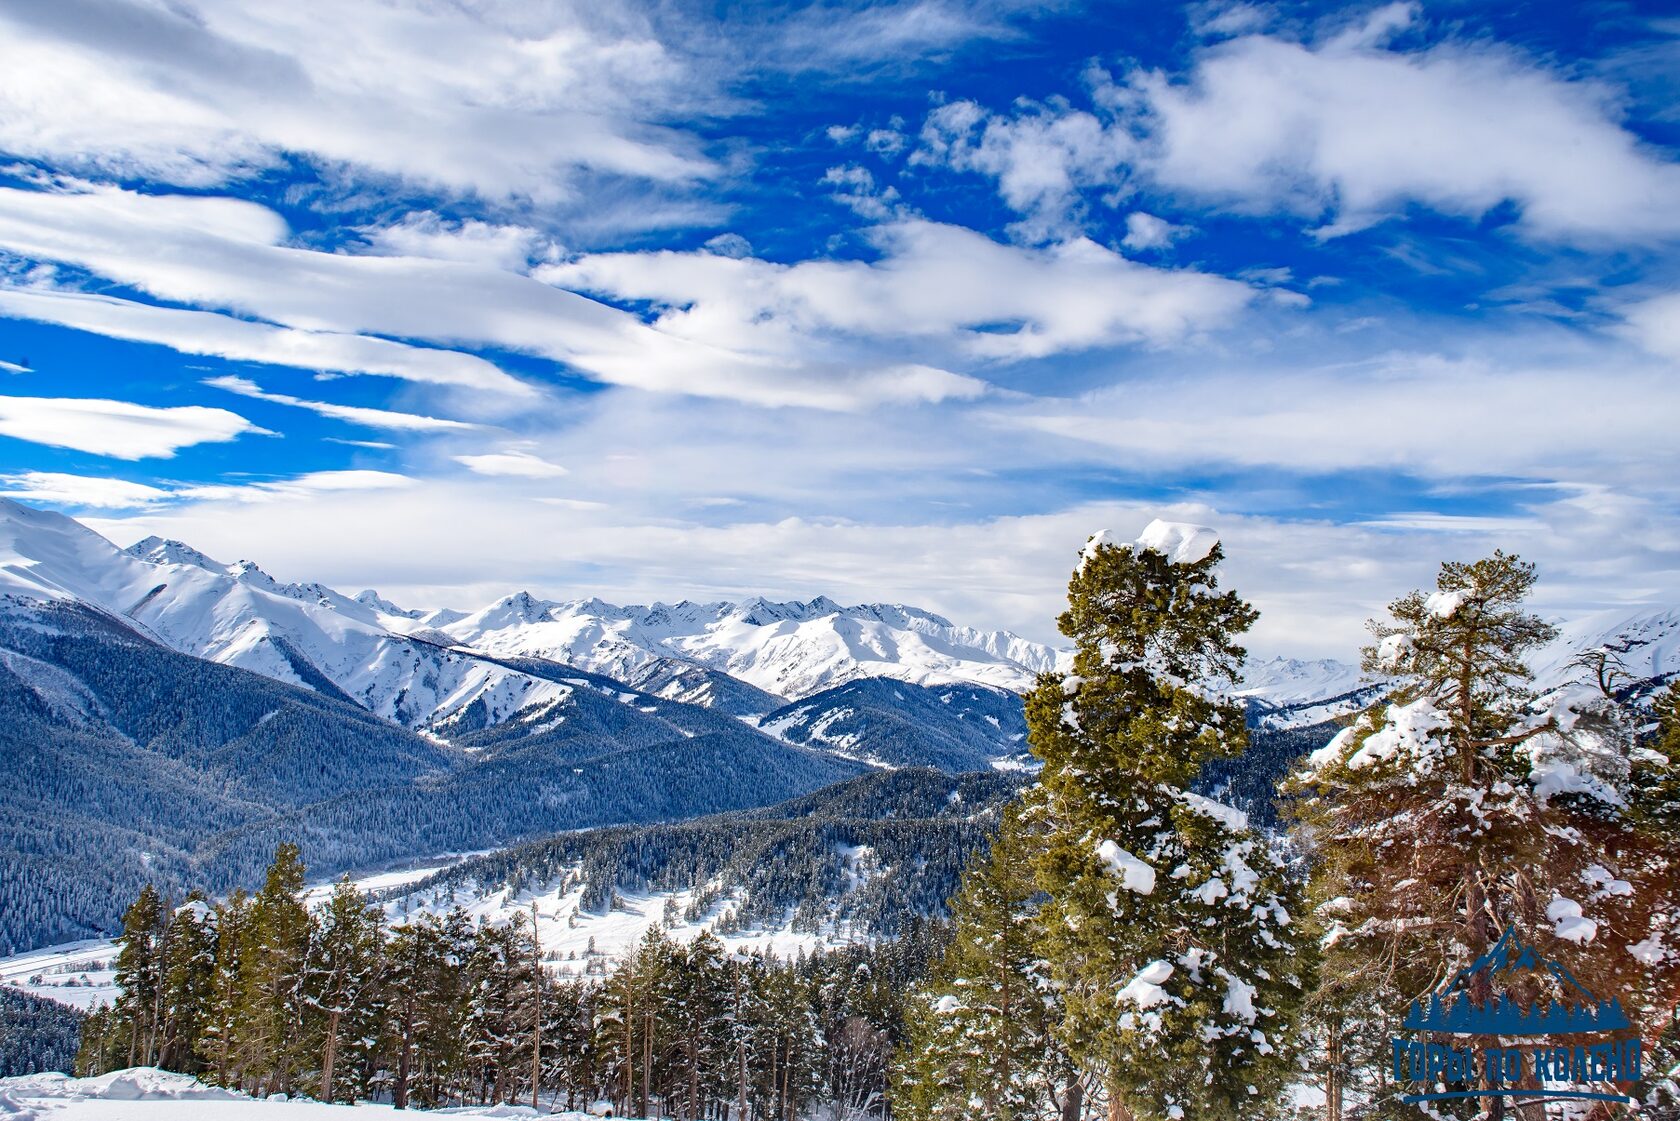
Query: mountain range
[[171, 717]]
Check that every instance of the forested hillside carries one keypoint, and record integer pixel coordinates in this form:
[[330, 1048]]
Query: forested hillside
[[858, 860], [125, 762], [36, 1034]]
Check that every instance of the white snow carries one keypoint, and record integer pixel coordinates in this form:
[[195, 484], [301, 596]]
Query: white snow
[[1182, 542], [1239, 999], [1649, 952], [1408, 732], [1228, 816], [1135, 875], [1144, 990], [1567, 921], [149, 1094], [1444, 605]]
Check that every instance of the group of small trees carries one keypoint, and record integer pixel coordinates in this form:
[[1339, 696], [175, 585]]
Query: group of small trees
[[265, 994], [1131, 948]]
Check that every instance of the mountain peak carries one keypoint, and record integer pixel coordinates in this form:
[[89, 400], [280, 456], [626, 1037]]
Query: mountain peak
[[158, 550], [370, 598]]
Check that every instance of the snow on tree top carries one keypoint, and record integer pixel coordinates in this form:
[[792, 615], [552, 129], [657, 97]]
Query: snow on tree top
[[1182, 542], [1444, 605]]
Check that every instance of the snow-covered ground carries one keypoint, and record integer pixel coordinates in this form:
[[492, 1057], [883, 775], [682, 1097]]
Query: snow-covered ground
[[576, 942], [148, 1094], [81, 974], [75, 973]]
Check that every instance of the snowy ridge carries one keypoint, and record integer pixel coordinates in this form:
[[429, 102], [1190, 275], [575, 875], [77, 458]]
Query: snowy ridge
[[789, 649], [238, 615]]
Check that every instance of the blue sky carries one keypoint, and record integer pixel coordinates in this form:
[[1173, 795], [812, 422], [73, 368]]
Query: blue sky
[[882, 302]]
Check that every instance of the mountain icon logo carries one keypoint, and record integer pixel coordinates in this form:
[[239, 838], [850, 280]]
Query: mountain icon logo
[[1451, 1010]]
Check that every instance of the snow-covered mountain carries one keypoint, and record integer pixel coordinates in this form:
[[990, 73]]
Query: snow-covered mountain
[[238, 615], [788, 649]]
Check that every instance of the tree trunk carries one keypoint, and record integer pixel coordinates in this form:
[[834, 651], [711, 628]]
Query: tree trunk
[[329, 1055], [536, 1009], [1073, 1102]]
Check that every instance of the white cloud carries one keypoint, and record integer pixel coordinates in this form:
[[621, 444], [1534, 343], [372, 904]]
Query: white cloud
[[354, 414], [505, 101], [81, 490], [1419, 413], [1146, 231], [1654, 323], [1042, 157], [227, 254], [933, 281], [15, 368], [426, 234], [301, 488], [200, 332], [513, 462], [1350, 129], [1343, 130], [119, 429]]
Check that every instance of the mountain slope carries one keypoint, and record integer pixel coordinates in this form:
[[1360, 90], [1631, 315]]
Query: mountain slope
[[122, 761], [895, 723], [854, 861], [237, 615]]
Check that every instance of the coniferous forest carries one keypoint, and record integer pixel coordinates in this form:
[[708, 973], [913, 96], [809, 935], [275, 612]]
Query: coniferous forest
[[1125, 947], [261, 994]]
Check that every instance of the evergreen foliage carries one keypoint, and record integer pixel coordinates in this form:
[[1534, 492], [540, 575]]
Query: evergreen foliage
[[36, 1035], [1461, 805], [983, 1039], [438, 1011], [1150, 930]]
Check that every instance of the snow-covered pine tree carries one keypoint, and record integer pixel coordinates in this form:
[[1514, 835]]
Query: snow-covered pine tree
[[271, 977], [1168, 925], [341, 973], [1462, 805], [982, 1042], [188, 970]]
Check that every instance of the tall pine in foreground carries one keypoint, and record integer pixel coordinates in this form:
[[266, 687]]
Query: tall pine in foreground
[[1161, 929]]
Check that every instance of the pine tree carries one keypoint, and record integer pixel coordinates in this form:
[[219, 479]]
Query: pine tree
[[699, 1024], [341, 973], [223, 1040], [1462, 806], [982, 1041], [1169, 923], [139, 976], [188, 970], [271, 974]]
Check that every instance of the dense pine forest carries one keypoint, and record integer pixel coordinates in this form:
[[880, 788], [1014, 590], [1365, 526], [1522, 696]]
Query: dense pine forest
[[36, 1034], [261, 994]]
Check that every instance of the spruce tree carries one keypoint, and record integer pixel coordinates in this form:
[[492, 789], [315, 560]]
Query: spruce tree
[[982, 1041], [139, 976], [341, 974], [271, 973], [188, 971], [223, 1040], [1169, 924]]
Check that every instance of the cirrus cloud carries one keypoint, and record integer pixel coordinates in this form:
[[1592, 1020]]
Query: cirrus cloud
[[119, 429]]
